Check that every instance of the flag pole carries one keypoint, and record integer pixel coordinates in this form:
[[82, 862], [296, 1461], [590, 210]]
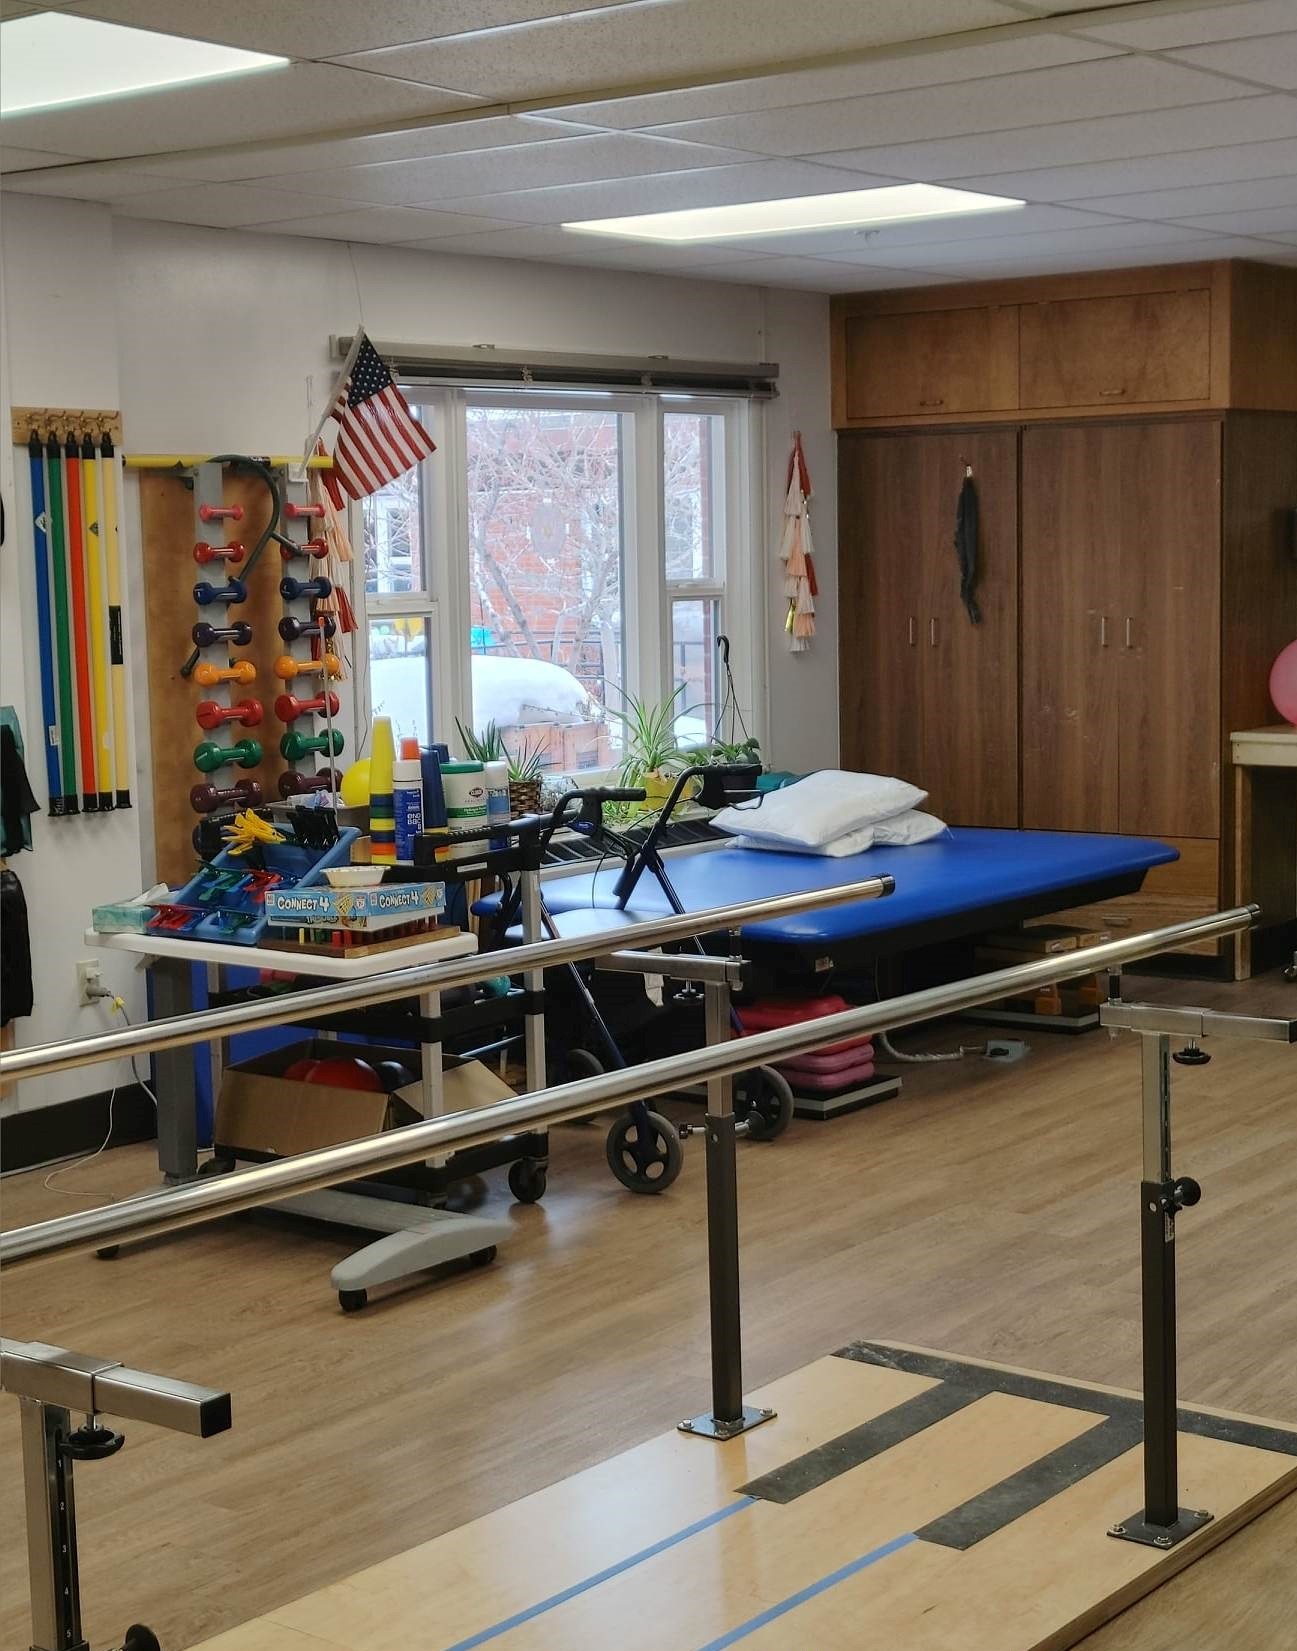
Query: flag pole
[[356, 341]]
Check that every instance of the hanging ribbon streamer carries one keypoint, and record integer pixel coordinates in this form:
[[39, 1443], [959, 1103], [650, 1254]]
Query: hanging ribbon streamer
[[98, 624], [40, 536], [62, 635], [80, 629], [795, 552], [116, 649]]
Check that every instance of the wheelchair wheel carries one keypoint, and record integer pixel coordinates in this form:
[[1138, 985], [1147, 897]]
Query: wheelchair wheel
[[646, 1158], [764, 1100]]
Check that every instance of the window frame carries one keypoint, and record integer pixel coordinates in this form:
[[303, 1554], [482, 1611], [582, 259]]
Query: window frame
[[445, 599]]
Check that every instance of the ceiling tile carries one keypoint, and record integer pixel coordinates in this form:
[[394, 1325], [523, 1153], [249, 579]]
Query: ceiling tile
[[89, 183], [585, 159], [856, 244], [709, 186], [1269, 60], [554, 246], [297, 100], [451, 137], [1113, 86], [970, 253], [1126, 176], [1198, 200], [891, 73], [379, 224], [307, 29], [610, 48], [1264, 220], [1195, 26], [24, 160], [1159, 132], [220, 205], [10, 9]]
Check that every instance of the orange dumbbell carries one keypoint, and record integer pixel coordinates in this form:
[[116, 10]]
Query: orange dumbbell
[[287, 668], [242, 671]]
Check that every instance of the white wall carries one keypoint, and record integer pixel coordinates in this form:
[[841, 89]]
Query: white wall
[[221, 342]]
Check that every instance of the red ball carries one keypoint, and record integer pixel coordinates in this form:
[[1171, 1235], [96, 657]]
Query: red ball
[[338, 1072]]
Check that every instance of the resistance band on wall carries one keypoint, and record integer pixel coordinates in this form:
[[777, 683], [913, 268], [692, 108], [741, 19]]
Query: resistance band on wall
[[45, 634], [77, 560]]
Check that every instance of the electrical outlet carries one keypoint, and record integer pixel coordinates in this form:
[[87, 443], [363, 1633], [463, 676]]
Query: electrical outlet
[[88, 979]]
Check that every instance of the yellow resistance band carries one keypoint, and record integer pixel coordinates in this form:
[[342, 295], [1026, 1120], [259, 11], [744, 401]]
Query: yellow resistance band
[[116, 641], [98, 626]]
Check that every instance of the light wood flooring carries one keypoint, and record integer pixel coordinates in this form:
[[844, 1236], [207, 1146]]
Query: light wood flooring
[[989, 1211]]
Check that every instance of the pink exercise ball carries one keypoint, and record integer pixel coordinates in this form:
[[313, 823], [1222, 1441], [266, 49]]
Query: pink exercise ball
[[1283, 683]]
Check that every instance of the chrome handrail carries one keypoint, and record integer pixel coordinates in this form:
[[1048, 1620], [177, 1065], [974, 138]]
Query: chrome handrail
[[287, 1009], [207, 1199]]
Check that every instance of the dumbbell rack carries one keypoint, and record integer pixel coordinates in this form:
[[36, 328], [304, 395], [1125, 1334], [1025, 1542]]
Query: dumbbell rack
[[305, 659]]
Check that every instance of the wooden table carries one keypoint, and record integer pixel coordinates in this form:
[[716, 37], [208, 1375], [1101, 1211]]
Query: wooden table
[[1265, 830]]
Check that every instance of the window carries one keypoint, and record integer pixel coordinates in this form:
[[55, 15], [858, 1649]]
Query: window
[[560, 553]]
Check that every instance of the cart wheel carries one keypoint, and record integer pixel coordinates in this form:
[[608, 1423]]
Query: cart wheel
[[765, 1101], [644, 1158], [482, 1258], [351, 1301], [140, 1638], [527, 1180]]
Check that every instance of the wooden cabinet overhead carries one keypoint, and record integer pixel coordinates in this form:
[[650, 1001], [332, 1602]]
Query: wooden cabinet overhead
[[1177, 338]]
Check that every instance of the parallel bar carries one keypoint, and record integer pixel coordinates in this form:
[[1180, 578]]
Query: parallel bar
[[724, 971], [206, 1200], [1157, 1260], [78, 1381], [288, 1010], [1198, 1023]]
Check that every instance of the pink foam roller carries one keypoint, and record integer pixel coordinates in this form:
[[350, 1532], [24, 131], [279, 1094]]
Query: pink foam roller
[[1283, 683]]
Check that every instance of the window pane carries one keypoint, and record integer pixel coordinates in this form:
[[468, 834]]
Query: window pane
[[546, 547], [694, 625], [393, 530], [693, 448], [400, 673]]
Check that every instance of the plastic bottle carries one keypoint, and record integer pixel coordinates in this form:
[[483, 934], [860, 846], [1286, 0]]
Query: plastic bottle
[[465, 786], [497, 799], [434, 799], [407, 799]]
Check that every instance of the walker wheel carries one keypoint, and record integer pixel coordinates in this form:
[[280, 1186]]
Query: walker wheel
[[527, 1180], [351, 1301], [645, 1157], [482, 1258], [139, 1638], [764, 1100]]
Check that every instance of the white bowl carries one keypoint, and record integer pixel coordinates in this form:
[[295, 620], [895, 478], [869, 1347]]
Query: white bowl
[[354, 877]]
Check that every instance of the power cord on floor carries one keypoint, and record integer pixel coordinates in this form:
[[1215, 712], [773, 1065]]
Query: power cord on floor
[[115, 1003]]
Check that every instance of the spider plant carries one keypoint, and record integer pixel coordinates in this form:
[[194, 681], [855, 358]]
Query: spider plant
[[650, 735]]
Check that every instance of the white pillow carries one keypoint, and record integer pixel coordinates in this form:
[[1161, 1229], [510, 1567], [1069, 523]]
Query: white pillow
[[821, 808], [910, 827], [851, 842]]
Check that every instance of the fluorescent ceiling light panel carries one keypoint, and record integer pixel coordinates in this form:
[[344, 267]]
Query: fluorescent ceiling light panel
[[855, 209], [53, 59]]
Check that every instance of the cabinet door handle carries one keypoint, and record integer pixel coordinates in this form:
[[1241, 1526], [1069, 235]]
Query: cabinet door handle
[[1130, 626], [1103, 630], [937, 401], [1120, 390], [912, 631], [932, 633]]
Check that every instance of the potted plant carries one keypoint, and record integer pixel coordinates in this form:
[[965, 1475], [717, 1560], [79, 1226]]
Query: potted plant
[[526, 769], [651, 752], [488, 746]]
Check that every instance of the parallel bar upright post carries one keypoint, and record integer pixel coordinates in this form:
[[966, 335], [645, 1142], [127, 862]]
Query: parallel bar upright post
[[51, 1528]]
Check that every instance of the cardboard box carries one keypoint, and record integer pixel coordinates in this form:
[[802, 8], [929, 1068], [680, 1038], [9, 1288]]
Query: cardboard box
[[260, 1113]]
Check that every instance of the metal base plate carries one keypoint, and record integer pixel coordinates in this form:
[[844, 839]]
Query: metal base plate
[[1138, 1529], [708, 1427]]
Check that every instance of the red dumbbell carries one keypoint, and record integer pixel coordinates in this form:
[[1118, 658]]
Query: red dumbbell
[[292, 589], [292, 630], [220, 513], [296, 512], [210, 714], [204, 553], [293, 784], [205, 799], [288, 707], [288, 548], [206, 635], [286, 668]]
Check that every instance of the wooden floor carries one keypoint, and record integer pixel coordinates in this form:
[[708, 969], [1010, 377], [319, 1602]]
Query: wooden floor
[[989, 1211]]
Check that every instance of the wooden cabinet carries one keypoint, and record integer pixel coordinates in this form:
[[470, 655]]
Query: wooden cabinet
[[939, 361], [1121, 615], [926, 693], [1113, 352]]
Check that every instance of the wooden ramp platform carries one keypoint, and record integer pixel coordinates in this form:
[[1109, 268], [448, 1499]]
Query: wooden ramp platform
[[902, 1498]]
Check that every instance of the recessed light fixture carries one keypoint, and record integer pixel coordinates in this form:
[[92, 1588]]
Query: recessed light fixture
[[52, 59], [894, 204]]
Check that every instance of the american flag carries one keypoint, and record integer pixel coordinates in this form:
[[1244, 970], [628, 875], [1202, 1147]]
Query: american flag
[[379, 438]]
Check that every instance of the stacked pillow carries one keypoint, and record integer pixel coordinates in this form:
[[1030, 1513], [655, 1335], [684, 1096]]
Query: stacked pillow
[[833, 812]]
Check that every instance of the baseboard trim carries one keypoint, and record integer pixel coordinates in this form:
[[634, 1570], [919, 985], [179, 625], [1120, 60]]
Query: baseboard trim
[[68, 1129]]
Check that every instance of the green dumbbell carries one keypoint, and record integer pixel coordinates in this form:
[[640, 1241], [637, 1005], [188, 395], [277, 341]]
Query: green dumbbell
[[209, 756], [294, 746]]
